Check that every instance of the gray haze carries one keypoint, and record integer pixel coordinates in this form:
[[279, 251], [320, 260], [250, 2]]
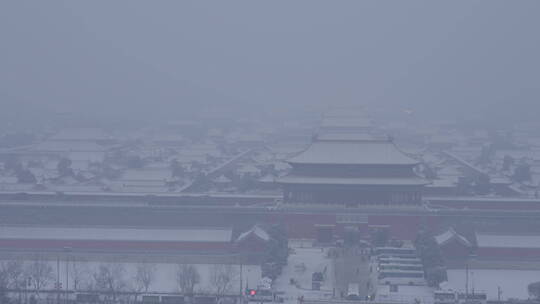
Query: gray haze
[[137, 58]]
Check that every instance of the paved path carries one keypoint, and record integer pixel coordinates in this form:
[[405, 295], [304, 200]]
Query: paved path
[[351, 267]]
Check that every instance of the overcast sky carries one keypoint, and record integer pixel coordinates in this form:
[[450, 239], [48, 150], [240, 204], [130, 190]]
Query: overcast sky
[[142, 57]]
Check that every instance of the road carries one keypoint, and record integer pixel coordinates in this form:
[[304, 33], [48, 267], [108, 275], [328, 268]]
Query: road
[[351, 267]]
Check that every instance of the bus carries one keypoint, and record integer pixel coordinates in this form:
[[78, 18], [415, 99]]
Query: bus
[[411, 261], [396, 251], [445, 297], [353, 292], [401, 277], [260, 295], [87, 298], [398, 256], [172, 299], [400, 267], [473, 298], [150, 299], [263, 292], [162, 299], [204, 300]]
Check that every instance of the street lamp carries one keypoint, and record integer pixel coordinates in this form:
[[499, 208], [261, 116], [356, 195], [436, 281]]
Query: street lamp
[[27, 284], [67, 250], [470, 258]]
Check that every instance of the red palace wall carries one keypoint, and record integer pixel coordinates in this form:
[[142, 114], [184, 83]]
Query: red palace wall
[[304, 225], [508, 253], [491, 205], [404, 227], [454, 250], [29, 244], [251, 244]]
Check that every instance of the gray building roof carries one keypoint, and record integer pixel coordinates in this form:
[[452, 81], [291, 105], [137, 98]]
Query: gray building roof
[[116, 234], [353, 152], [368, 181]]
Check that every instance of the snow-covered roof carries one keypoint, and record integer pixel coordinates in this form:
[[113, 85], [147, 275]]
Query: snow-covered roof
[[446, 182], [449, 171], [142, 189], [81, 134], [76, 188], [167, 137], [256, 230], [404, 181], [147, 174], [116, 234], [500, 180], [449, 235], [93, 156], [269, 178], [346, 122], [485, 240], [41, 173], [60, 146], [445, 236], [8, 180], [345, 136], [80, 165], [347, 111], [515, 154], [248, 169], [222, 179], [244, 137], [16, 187], [353, 152], [281, 166]]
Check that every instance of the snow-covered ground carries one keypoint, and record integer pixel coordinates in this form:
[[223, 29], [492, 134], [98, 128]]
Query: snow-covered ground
[[303, 261], [165, 275], [513, 283]]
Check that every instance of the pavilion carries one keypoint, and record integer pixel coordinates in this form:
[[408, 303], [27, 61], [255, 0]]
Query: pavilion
[[352, 169]]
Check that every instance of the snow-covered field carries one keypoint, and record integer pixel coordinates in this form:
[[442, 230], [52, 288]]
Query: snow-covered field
[[303, 261], [513, 283], [164, 278]]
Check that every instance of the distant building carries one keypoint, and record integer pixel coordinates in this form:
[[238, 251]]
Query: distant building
[[352, 169], [253, 240], [134, 241], [84, 135], [151, 180], [267, 182], [453, 245], [351, 120]]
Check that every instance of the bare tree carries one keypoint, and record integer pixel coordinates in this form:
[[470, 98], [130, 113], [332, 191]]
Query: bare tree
[[222, 278], [13, 275], [79, 274], [145, 276], [40, 273], [110, 278], [187, 277], [4, 282]]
